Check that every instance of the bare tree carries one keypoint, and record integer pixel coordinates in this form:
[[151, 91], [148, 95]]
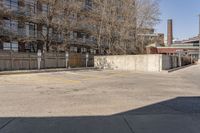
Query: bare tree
[[121, 21], [55, 19], [116, 23], [147, 15]]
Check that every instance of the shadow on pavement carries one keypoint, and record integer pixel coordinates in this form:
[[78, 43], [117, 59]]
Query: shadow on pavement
[[179, 115]]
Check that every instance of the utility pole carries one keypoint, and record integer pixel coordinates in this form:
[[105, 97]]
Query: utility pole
[[199, 40]]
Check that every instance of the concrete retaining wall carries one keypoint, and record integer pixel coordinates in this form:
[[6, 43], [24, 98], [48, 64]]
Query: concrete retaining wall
[[151, 63], [169, 62]]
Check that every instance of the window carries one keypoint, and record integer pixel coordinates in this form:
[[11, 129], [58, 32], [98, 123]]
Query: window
[[92, 51], [31, 7], [44, 31], [72, 16], [6, 24], [14, 25], [6, 46], [83, 50], [88, 4], [73, 49], [45, 9], [11, 4], [50, 32], [21, 29], [32, 29], [11, 25], [14, 46], [71, 34], [75, 34], [80, 35], [10, 46]]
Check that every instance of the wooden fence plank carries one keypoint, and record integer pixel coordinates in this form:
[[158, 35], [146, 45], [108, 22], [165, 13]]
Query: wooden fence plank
[[26, 61]]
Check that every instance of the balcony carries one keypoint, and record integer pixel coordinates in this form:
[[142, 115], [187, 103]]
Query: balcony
[[22, 32], [54, 37], [37, 35], [86, 28], [32, 34], [82, 41], [14, 11], [87, 7], [7, 32]]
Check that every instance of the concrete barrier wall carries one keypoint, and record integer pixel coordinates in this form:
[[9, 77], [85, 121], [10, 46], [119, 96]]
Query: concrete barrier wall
[[169, 62], [151, 63]]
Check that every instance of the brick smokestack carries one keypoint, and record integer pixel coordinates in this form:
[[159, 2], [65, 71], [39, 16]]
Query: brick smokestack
[[169, 32]]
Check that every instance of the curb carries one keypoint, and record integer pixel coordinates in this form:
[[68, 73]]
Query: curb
[[179, 68], [44, 71]]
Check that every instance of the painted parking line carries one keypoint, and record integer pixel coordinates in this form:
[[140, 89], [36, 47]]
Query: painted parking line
[[74, 78], [86, 76], [59, 79]]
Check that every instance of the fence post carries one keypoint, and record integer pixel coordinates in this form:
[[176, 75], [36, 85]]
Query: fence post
[[29, 61], [57, 58], [11, 59], [39, 59], [87, 59], [44, 59], [179, 56], [66, 59]]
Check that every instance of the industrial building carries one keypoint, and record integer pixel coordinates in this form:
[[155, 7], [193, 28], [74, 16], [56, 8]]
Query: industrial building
[[189, 47]]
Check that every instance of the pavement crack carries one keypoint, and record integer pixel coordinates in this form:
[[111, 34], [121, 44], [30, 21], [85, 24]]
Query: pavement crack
[[6, 123], [129, 126]]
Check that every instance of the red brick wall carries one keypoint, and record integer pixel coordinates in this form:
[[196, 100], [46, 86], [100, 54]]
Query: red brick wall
[[151, 50]]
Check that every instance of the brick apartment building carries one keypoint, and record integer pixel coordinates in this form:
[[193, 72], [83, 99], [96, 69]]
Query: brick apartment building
[[21, 32]]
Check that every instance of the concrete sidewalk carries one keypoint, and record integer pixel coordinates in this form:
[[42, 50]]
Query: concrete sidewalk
[[74, 69], [180, 115], [159, 123]]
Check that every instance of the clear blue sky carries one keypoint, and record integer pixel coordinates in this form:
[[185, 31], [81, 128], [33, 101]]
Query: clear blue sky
[[184, 14]]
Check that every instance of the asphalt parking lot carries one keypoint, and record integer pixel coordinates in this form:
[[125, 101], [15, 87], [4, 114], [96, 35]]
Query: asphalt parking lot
[[110, 101]]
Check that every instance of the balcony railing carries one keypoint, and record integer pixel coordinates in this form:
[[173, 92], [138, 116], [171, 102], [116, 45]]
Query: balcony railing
[[22, 33], [7, 32], [82, 41]]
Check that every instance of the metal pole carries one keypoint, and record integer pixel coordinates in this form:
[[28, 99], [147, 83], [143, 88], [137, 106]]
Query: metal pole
[[199, 39], [66, 59], [39, 59], [179, 55], [87, 59], [199, 47]]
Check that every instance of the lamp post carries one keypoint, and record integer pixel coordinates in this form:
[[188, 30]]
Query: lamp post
[[199, 40]]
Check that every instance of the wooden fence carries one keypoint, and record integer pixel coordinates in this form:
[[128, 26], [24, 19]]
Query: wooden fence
[[29, 61]]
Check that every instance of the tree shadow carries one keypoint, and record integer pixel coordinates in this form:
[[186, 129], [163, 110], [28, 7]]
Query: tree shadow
[[173, 114]]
